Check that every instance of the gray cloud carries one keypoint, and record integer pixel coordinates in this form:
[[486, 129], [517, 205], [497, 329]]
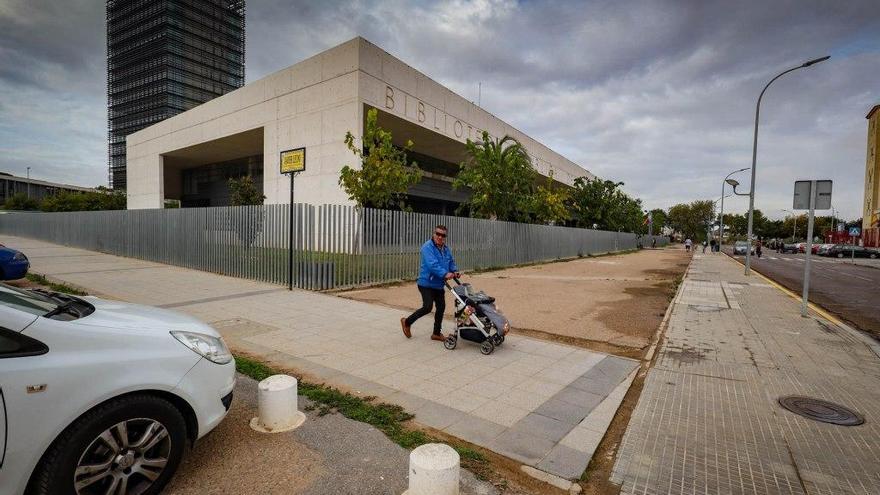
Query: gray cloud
[[657, 94]]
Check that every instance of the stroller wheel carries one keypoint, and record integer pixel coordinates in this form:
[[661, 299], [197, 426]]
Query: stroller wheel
[[450, 342], [487, 347], [497, 339]]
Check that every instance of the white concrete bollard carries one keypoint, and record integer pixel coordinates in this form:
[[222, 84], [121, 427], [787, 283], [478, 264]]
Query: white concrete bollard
[[433, 470], [277, 402]]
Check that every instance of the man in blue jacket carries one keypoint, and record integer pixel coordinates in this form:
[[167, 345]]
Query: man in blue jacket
[[437, 266]]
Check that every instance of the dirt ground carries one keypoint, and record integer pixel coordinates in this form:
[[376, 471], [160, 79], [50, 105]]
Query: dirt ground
[[610, 303]]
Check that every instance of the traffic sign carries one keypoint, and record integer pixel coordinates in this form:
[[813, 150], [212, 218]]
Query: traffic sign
[[855, 231], [803, 190]]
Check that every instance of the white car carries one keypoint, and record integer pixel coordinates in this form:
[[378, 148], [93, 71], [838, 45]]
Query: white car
[[102, 397]]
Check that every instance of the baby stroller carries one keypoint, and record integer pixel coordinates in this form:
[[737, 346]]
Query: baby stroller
[[476, 319]]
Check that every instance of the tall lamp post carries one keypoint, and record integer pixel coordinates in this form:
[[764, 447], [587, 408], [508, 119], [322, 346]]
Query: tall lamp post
[[755, 152], [721, 216], [833, 226], [713, 209], [29, 182], [794, 226]]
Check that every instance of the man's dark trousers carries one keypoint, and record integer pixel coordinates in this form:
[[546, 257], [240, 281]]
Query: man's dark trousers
[[435, 297]]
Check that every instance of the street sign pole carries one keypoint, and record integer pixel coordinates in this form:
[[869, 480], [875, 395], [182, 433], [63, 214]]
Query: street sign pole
[[853, 233], [292, 162], [809, 249], [290, 237]]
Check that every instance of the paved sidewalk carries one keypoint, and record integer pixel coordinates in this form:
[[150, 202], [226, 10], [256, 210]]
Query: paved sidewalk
[[708, 420], [544, 404]]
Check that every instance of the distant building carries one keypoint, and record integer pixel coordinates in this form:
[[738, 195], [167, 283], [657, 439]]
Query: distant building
[[871, 210], [165, 57], [10, 185], [311, 105]]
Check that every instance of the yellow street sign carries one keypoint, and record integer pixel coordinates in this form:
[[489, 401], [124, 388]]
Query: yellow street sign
[[293, 161]]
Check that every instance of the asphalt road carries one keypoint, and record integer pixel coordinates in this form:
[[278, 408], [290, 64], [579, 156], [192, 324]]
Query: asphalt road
[[850, 291]]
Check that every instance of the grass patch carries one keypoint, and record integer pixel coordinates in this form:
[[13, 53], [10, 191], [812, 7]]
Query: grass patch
[[388, 418], [39, 279]]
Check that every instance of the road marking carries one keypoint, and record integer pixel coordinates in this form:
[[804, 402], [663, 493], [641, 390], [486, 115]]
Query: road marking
[[866, 279]]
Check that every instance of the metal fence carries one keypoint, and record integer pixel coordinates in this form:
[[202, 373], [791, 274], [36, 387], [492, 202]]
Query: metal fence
[[334, 246]]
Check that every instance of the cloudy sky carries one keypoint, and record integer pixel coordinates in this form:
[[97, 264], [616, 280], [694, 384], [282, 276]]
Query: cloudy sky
[[658, 95]]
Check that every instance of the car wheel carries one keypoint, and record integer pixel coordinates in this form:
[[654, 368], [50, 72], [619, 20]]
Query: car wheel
[[129, 445], [873, 256], [840, 255]]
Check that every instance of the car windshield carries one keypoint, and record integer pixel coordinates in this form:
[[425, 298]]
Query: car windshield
[[41, 302], [29, 302], [741, 244]]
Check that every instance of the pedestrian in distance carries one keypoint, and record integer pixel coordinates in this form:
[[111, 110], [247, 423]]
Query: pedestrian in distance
[[712, 246], [436, 267], [758, 245], [654, 243], [687, 244], [705, 244]]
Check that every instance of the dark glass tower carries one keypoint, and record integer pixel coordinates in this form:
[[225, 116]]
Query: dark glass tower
[[165, 57]]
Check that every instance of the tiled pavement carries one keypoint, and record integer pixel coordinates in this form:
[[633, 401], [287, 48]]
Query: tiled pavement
[[544, 404], [708, 420]]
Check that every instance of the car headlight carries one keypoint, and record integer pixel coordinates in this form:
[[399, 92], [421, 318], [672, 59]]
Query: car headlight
[[19, 256], [211, 348]]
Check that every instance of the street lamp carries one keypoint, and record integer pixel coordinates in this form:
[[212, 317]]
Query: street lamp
[[721, 216], [833, 225], [29, 182], [794, 227], [755, 152], [709, 227]]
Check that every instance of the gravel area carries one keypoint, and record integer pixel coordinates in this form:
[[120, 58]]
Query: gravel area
[[329, 454], [616, 300]]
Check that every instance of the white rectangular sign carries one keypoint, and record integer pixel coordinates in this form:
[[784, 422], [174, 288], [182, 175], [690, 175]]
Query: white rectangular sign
[[803, 190]]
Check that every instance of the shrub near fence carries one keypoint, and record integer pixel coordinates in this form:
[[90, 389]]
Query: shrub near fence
[[334, 246]]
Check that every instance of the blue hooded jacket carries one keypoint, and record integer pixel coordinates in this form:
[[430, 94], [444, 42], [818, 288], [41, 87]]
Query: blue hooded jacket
[[435, 264]]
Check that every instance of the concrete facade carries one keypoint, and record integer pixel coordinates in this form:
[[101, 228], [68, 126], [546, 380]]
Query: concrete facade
[[313, 104], [871, 208]]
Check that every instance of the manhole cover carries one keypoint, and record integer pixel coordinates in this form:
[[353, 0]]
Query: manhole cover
[[821, 410]]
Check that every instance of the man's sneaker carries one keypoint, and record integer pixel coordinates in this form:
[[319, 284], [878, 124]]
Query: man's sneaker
[[438, 336], [405, 328]]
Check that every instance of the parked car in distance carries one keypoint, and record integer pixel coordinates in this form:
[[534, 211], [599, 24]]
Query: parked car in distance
[[103, 396], [789, 248], [823, 249], [848, 250], [13, 264], [740, 248]]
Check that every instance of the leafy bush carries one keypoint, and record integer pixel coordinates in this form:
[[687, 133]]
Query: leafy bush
[[244, 192], [20, 201], [101, 199]]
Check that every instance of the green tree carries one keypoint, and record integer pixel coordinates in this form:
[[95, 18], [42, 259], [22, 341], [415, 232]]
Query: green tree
[[735, 224], [20, 201], [592, 201], [601, 203], [384, 174], [660, 218], [500, 176], [243, 192], [626, 214], [692, 219], [550, 203], [101, 198]]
